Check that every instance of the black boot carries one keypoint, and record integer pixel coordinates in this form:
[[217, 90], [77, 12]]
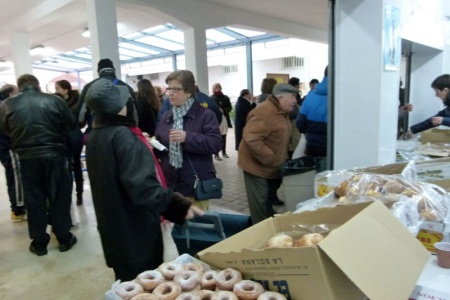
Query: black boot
[[79, 188]]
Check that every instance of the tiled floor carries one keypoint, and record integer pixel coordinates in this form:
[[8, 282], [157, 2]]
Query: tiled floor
[[81, 273]]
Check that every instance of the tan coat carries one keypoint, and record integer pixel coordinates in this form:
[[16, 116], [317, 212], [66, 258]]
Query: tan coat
[[265, 140]]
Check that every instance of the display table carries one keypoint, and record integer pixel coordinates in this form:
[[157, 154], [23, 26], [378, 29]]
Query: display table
[[434, 280]]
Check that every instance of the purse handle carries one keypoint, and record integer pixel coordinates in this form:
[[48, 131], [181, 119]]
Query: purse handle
[[195, 172]]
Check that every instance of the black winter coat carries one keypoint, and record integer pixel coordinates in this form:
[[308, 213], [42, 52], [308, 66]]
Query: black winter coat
[[242, 108], [224, 103], [127, 196]]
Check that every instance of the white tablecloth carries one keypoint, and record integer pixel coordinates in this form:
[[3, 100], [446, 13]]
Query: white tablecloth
[[434, 276]]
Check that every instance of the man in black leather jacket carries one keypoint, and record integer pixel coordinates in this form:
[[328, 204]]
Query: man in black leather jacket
[[40, 126]]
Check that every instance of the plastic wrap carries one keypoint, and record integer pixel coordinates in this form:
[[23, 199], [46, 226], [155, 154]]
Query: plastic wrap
[[326, 181], [411, 202]]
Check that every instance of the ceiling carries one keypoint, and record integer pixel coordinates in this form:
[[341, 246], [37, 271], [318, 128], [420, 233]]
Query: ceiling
[[58, 24]]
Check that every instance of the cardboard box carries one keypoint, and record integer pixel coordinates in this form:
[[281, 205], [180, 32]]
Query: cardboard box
[[434, 135], [370, 254]]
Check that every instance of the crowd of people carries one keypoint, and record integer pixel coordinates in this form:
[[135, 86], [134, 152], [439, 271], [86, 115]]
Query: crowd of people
[[134, 186]]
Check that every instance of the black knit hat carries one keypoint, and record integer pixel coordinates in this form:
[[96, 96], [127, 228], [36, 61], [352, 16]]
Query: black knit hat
[[105, 63]]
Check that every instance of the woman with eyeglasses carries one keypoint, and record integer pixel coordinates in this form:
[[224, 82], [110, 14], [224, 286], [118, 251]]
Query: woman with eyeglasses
[[191, 134]]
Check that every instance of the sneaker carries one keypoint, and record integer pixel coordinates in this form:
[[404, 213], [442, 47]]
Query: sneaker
[[217, 157], [67, 246], [226, 155], [18, 218], [38, 250]]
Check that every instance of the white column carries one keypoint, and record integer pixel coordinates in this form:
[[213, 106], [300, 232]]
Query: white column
[[21, 53], [102, 23], [196, 56], [366, 95]]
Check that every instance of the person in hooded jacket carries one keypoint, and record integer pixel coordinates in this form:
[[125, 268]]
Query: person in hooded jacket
[[441, 86], [128, 187], [313, 118], [224, 103], [105, 70]]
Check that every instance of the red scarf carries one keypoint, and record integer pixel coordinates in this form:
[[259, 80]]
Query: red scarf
[[159, 172]]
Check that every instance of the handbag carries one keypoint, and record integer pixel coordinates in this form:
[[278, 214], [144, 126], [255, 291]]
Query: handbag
[[205, 189]]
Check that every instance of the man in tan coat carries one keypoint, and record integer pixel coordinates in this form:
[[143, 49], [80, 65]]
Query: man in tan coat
[[264, 148]]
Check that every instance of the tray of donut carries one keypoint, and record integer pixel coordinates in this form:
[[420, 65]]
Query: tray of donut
[[187, 278]]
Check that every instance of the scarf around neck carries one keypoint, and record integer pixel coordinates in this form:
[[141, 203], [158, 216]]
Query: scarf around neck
[[175, 153]]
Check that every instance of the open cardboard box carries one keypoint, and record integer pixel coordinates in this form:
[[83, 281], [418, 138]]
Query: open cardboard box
[[370, 254], [434, 135]]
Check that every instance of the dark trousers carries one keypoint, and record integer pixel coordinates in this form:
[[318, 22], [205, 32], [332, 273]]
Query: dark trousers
[[224, 147], [274, 185], [11, 184], [77, 169], [47, 186], [257, 189]]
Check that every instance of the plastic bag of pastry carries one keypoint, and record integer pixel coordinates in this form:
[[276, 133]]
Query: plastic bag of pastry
[[326, 181]]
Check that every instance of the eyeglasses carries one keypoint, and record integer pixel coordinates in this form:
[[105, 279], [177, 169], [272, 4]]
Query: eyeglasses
[[173, 89]]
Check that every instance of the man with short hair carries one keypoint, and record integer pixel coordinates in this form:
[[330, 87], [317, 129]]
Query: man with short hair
[[40, 126], [105, 69], [264, 148]]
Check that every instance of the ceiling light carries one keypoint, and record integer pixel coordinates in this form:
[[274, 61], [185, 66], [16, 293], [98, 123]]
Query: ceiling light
[[38, 50], [86, 33]]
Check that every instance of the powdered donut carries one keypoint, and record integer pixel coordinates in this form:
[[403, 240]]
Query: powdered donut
[[145, 296], [167, 291], [128, 289], [208, 281], [205, 294], [188, 296], [224, 295], [271, 296], [169, 270], [248, 290], [280, 241], [150, 279], [227, 278], [310, 239], [188, 280], [194, 267]]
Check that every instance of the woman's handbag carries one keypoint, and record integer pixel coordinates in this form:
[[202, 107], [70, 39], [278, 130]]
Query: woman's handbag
[[205, 189]]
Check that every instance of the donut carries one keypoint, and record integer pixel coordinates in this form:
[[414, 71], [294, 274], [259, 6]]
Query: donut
[[188, 296], [227, 278], [194, 267], [128, 289], [145, 296], [309, 239], [248, 290], [188, 280], [208, 281], [271, 296], [169, 270], [224, 295], [205, 294], [280, 241], [167, 291], [150, 279]]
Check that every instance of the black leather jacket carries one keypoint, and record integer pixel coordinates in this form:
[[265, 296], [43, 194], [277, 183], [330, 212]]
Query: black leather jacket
[[40, 125]]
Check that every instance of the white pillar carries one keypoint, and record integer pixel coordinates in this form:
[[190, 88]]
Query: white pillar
[[366, 95], [21, 53], [102, 23], [196, 56]]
